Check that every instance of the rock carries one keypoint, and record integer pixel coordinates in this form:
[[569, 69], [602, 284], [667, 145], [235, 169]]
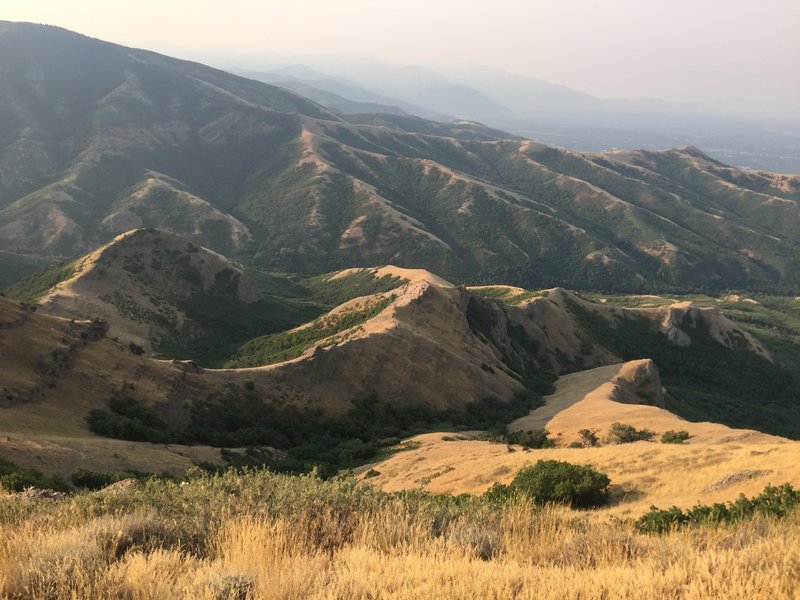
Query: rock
[[33, 493], [122, 486]]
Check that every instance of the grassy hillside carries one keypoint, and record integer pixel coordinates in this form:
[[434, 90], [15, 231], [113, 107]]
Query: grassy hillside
[[188, 315], [705, 381], [283, 346], [31, 289], [217, 322]]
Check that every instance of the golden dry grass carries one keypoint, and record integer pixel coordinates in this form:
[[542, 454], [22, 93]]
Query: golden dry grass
[[569, 389], [642, 473], [389, 551], [716, 465]]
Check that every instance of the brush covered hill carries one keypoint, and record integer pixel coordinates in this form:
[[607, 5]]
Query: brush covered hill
[[57, 371], [390, 330], [405, 336], [96, 139], [140, 281], [163, 293]]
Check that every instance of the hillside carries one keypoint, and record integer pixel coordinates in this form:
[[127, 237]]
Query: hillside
[[65, 369], [391, 330], [97, 139], [400, 351], [715, 464], [162, 295], [149, 285]]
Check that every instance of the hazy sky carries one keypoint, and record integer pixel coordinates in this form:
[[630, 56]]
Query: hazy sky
[[740, 54]]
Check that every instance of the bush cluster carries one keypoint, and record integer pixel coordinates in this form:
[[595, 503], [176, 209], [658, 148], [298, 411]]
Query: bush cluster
[[774, 501], [622, 433], [537, 438], [555, 481], [15, 478], [674, 437], [129, 420], [240, 417]]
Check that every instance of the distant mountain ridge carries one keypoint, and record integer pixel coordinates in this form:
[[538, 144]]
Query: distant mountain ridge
[[97, 139]]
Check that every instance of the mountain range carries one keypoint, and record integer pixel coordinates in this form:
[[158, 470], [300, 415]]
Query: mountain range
[[540, 110], [332, 370], [97, 139]]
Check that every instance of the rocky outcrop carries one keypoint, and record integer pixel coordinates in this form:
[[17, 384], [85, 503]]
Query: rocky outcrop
[[679, 320], [638, 382]]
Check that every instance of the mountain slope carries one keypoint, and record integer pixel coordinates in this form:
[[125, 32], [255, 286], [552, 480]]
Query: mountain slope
[[393, 331], [160, 292], [97, 138], [716, 463], [403, 351]]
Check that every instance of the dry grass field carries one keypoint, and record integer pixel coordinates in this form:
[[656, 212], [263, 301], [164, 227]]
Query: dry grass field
[[716, 464], [265, 536], [642, 473]]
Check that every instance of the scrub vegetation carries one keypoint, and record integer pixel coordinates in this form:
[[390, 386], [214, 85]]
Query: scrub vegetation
[[265, 536]]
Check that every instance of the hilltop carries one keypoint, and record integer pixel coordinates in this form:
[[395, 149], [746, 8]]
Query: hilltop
[[98, 139], [155, 289]]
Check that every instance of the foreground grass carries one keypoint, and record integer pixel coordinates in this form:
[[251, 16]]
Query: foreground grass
[[268, 536]]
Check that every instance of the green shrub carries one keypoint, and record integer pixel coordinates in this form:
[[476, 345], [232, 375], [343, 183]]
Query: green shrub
[[776, 502], [674, 437], [578, 486], [239, 416], [129, 420], [622, 433], [16, 479], [537, 438]]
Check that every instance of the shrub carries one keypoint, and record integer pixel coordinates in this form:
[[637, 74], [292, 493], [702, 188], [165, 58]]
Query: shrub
[[537, 438], [776, 502], [621, 433], [129, 420], [674, 437], [578, 486], [239, 416], [16, 479], [588, 438]]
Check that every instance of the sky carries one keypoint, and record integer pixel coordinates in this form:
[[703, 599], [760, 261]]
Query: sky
[[740, 55]]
